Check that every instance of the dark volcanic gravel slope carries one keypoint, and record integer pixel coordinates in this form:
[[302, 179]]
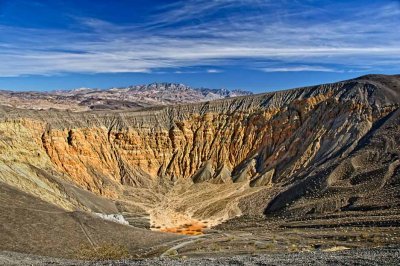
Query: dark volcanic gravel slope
[[379, 256]]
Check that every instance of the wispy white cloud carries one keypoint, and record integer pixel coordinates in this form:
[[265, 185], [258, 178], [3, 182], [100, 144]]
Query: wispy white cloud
[[210, 71], [184, 10], [356, 39], [214, 71], [300, 69]]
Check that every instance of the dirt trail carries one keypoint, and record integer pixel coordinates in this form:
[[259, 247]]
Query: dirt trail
[[175, 248]]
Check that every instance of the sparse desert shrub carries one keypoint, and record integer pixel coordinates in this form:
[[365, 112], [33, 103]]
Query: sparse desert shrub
[[171, 253], [104, 251], [293, 248], [267, 246]]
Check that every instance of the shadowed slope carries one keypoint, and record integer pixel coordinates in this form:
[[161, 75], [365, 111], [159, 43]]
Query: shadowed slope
[[29, 225], [366, 180]]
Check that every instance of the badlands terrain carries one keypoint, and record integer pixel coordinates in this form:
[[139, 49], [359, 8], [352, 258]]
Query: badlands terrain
[[287, 177]]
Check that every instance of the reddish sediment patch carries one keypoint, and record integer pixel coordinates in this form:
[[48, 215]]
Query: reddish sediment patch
[[192, 229]]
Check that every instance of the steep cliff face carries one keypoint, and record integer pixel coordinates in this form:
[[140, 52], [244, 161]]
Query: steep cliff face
[[25, 164], [270, 143]]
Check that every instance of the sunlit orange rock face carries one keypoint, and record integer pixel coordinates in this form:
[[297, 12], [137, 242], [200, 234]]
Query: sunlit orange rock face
[[100, 159], [86, 156]]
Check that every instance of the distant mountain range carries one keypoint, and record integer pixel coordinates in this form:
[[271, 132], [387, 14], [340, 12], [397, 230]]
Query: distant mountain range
[[132, 97]]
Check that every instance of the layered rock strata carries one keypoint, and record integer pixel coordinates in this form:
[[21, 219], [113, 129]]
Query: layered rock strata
[[273, 143]]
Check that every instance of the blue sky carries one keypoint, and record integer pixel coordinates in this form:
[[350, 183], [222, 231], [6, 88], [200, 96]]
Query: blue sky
[[260, 45]]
